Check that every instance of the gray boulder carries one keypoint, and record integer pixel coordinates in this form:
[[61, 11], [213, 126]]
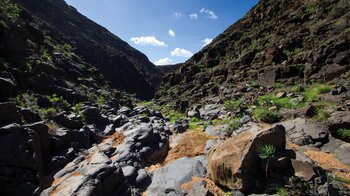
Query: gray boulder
[[302, 132], [211, 112], [168, 180]]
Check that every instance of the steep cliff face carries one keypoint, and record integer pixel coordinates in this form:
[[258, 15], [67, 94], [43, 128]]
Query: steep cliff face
[[277, 41], [124, 67]]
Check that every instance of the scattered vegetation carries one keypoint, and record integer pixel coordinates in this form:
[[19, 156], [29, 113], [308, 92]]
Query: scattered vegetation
[[77, 109], [277, 189], [233, 125], [45, 56], [297, 89], [232, 105], [265, 115], [344, 133], [254, 84], [312, 93], [278, 85], [10, 10], [103, 97], [58, 102], [27, 100], [195, 122], [333, 177], [270, 100], [174, 115], [321, 114]]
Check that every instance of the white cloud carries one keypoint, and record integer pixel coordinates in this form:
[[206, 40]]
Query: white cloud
[[171, 33], [165, 61], [177, 15], [193, 16], [150, 40], [210, 13], [180, 52], [206, 41]]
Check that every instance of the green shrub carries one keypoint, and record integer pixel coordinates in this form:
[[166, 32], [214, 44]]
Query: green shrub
[[278, 85], [312, 93], [254, 84], [321, 115], [278, 189], [27, 100], [271, 100], [10, 10], [233, 125], [104, 97], [147, 103], [77, 108], [233, 105], [174, 115], [194, 122], [344, 133], [264, 115], [45, 55], [58, 102], [297, 89], [45, 113]]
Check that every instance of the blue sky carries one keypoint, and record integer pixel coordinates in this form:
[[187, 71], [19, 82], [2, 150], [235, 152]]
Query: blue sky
[[167, 31]]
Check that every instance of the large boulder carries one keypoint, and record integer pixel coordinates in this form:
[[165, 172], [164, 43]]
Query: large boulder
[[211, 111], [235, 163], [301, 132]]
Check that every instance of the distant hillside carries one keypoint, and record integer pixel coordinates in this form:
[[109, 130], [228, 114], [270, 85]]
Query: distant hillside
[[278, 41], [123, 66]]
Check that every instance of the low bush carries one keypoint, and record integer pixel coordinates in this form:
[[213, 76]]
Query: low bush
[[233, 105], [265, 115], [271, 100], [321, 115], [312, 93], [233, 125], [344, 133], [194, 123], [174, 115]]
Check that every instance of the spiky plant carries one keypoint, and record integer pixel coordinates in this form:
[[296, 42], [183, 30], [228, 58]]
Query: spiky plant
[[267, 152]]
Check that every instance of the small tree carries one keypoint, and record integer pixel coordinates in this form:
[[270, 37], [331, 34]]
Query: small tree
[[267, 152]]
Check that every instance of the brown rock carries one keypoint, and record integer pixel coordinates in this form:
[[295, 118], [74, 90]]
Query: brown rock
[[281, 94], [235, 162], [303, 170]]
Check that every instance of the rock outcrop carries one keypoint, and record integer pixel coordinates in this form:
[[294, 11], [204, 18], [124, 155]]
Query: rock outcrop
[[276, 42], [124, 67]]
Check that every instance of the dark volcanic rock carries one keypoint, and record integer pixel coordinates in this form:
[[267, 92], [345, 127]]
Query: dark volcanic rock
[[20, 160], [268, 45], [7, 88], [9, 113], [127, 68]]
